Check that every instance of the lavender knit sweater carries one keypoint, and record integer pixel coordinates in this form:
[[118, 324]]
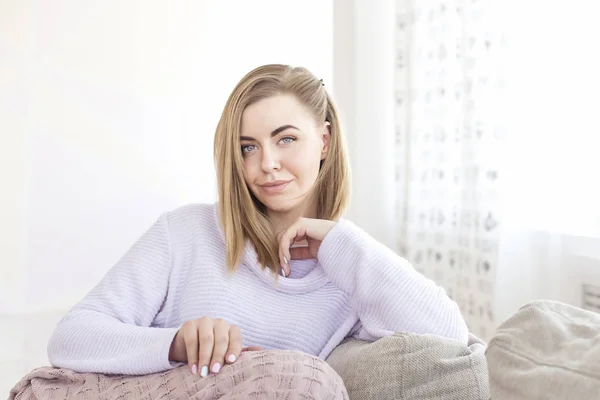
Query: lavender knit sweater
[[175, 272]]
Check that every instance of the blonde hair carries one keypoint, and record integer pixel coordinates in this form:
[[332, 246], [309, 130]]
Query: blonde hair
[[242, 216]]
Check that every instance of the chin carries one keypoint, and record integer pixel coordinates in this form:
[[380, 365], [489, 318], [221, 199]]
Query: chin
[[280, 205]]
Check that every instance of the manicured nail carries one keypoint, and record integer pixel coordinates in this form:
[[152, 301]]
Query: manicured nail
[[231, 358], [204, 371], [285, 260], [282, 272], [216, 368], [194, 369]]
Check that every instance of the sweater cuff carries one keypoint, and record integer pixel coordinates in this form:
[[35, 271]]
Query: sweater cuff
[[158, 360], [341, 252]]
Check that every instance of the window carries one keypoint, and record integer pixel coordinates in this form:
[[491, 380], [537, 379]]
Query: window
[[552, 71]]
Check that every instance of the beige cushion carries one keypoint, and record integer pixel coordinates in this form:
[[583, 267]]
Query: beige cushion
[[410, 366], [547, 350]]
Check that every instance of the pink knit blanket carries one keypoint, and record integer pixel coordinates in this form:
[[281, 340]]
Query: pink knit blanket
[[256, 375]]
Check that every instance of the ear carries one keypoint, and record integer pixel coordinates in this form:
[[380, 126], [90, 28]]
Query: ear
[[326, 139]]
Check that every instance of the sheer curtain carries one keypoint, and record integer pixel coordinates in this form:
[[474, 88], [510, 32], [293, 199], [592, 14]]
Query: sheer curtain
[[448, 131], [496, 140]]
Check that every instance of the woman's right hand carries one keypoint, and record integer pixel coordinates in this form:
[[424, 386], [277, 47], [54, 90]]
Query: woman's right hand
[[206, 344]]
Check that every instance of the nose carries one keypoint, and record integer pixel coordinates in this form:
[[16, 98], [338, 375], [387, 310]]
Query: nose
[[270, 160]]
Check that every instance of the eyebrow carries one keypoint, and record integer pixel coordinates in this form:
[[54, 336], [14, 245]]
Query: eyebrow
[[274, 133]]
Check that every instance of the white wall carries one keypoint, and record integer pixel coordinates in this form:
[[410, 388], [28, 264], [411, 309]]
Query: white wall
[[364, 88], [107, 112]]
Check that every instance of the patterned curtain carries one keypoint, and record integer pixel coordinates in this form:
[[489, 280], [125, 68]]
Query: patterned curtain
[[448, 91]]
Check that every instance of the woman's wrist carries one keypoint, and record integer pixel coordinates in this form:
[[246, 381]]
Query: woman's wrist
[[175, 352]]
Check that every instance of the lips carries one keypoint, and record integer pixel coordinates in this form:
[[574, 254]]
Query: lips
[[275, 186], [274, 183]]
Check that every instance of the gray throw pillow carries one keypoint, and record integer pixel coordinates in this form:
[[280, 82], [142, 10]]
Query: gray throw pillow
[[411, 366]]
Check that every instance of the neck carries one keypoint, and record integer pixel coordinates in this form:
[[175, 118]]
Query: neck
[[281, 220]]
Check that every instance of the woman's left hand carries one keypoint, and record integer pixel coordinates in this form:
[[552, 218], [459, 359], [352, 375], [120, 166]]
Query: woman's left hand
[[309, 229]]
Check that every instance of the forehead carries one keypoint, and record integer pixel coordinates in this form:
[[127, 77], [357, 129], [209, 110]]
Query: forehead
[[266, 115]]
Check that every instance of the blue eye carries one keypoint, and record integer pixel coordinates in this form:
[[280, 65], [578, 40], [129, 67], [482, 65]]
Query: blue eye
[[248, 148], [288, 140]]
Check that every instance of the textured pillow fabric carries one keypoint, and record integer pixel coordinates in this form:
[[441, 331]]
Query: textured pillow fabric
[[271, 374], [546, 350], [411, 366]]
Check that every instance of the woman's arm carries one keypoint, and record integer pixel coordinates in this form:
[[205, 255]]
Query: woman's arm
[[387, 293], [110, 330]]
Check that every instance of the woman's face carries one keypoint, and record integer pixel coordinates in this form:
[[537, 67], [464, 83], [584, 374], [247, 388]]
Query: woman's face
[[282, 147]]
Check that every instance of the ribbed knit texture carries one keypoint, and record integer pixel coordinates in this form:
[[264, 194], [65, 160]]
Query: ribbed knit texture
[[176, 272]]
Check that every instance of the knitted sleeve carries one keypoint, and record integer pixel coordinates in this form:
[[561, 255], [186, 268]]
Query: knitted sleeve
[[386, 292], [110, 330]]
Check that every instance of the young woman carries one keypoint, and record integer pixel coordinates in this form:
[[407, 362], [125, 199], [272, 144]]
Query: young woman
[[272, 265]]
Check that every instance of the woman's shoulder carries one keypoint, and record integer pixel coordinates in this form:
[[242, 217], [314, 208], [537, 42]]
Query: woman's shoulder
[[195, 220], [197, 210]]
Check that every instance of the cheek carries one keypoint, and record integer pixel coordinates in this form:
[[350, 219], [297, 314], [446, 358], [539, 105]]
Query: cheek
[[250, 170], [304, 164]]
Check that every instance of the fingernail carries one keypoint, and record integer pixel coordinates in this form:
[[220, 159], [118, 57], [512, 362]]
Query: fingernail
[[282, 272], [231, 358], [216, 368], [194, 369], [285, 260], [204, 371]]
